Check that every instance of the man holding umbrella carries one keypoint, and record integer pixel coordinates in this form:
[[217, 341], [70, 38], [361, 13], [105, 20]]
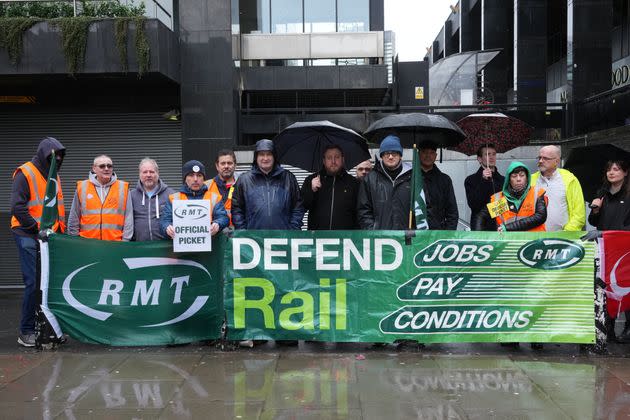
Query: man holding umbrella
[[330, 195], [385, 194], [482, 184]]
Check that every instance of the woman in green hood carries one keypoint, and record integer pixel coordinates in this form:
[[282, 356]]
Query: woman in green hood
[[527, 206]]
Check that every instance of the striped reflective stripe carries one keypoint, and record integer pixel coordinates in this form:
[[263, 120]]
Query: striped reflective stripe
[[38, 201], [83, 197], [102, 226], [104, 211]]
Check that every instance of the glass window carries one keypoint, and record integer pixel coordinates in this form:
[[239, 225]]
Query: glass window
[[286, 16], [353, 15], [263, 16], [319, 16]]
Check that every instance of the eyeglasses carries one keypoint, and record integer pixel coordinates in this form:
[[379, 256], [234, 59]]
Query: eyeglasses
[[545, 158], [388, 154], [106, 165]]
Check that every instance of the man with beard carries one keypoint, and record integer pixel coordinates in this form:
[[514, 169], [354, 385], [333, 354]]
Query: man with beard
[[330, 195]]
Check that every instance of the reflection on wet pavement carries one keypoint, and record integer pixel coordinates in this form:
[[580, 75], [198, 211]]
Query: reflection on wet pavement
[[266, 384]]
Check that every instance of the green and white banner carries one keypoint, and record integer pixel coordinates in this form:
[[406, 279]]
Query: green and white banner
[[132, 293], [435, 287]]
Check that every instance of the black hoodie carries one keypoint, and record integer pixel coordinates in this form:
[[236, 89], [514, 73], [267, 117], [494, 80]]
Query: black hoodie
[[20, 193]]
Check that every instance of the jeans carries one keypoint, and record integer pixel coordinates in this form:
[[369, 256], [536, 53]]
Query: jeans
[[27, 249]]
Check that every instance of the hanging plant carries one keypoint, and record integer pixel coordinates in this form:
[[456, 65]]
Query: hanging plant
[[74, 33], [121, 26], [12, 33], [143, 49]]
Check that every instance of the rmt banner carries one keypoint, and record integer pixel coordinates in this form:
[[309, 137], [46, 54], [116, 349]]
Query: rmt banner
[[437, 286], [132, 293]]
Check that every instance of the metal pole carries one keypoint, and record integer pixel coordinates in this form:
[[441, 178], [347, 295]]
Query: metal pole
[[74, 4]]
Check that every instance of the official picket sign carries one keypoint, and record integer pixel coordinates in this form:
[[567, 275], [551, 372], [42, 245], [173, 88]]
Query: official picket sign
[[347, 286], [191, 222]]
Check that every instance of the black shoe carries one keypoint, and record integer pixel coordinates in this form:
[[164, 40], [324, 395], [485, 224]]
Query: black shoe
[[287, 343], [624, 337], [510, 345], [537, 346], [408, 344]]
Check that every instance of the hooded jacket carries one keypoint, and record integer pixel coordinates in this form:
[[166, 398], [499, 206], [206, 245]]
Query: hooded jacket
[[74, 217], [267, 201], [147, 211], [333, 206], [219, 215], [442, 213], [20, 193], [517, 223], [384, 203]]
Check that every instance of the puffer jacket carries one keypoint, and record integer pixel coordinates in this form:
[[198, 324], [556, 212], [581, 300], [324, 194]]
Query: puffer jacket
[[333, 206], [384, 203], [267, 201], [147, 211]]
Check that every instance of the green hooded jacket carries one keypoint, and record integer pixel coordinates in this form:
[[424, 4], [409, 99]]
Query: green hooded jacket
[[514, 200]]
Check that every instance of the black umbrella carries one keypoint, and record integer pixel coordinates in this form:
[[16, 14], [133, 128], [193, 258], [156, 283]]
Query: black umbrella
[[415, 128], [588, 164], [302, 144]]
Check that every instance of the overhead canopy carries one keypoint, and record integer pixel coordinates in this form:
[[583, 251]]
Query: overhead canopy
[[455, 77]]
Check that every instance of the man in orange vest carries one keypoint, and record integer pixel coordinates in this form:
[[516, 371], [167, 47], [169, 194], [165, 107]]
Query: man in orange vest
[[223, 183], [102, 208], [194, 188], [27, 200]]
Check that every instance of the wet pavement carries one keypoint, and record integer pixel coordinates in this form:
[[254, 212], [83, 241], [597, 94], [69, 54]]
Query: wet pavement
[[314, 380]]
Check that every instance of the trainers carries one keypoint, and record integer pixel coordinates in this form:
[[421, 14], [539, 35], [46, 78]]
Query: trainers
[[26, 340], [246, 343]]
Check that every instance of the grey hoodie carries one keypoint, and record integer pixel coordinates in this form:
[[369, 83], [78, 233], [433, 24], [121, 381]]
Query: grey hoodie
[[102, 190], [148, 211]]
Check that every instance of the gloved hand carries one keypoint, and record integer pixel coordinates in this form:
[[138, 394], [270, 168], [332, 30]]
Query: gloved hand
[[43, 234], [591, 235]]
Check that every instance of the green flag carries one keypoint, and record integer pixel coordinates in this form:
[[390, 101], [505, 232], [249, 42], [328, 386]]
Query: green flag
[[50, 213], [418, 202]]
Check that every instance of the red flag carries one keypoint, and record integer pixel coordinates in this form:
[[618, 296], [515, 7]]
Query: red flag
[[615, 270]]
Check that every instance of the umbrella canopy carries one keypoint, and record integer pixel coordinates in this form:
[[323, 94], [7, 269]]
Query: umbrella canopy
[[588, 164], [503, 131], [415, 128], [302, 144]]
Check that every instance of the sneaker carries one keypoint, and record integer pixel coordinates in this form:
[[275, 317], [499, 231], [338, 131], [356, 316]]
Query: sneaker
[[246, 343], [26, 340]]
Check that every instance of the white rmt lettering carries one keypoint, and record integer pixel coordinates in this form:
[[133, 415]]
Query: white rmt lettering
[[144, 295], [179, 283], [111, 288]]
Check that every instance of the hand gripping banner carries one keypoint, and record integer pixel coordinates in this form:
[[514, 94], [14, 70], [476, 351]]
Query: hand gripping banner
[[132, 293]]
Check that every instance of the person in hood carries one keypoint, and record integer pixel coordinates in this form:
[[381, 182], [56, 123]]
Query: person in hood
[[330, 195], [102, 207], [442, 213], [148, 200], [527, 205], [267, 196], [27, 199], [194, 188], [385, 193]]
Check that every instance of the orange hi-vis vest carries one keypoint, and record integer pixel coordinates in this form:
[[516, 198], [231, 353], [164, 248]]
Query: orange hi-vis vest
[[214, 188], [528, 207], [208, 195], [104, 220], [37, 188]]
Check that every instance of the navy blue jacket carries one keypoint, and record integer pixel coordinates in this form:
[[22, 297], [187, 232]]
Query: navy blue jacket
[[219, 215], [267, 201]]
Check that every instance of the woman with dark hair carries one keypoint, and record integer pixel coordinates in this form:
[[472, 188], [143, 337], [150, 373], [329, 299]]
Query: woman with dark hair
[[611, 211]]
